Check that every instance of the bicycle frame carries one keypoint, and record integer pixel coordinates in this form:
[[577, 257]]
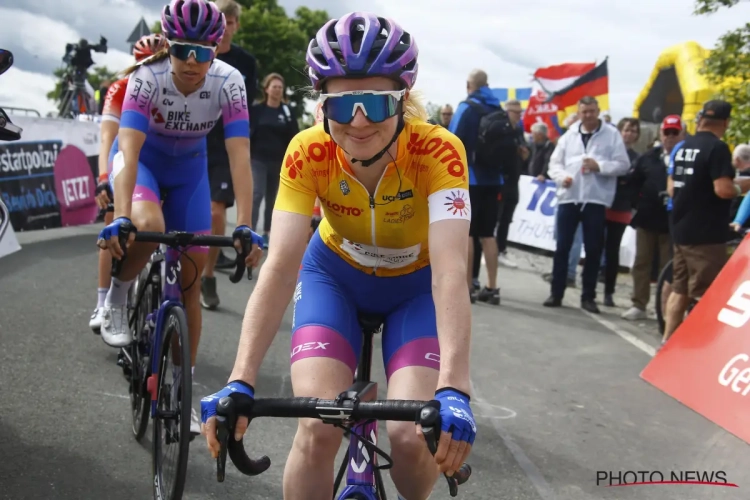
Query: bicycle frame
[[167, 264], [363, 478]]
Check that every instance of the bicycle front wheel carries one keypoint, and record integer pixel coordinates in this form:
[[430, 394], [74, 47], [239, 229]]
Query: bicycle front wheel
[[140, 399], [171, 425], [665, 276]]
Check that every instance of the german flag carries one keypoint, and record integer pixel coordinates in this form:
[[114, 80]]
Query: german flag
[[594, 83]]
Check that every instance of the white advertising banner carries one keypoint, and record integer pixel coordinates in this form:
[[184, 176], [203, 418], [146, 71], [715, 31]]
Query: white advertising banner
[[47, 179], [534, 220]]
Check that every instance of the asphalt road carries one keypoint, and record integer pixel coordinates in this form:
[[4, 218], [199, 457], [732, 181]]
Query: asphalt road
[[557, 397]]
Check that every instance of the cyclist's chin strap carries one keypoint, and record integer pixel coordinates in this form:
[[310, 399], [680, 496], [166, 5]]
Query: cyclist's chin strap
[[367, 163]]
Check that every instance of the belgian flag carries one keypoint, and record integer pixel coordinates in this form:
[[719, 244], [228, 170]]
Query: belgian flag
[[594, 83]]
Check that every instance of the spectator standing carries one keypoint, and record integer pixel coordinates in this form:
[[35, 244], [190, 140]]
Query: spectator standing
[[541, 151], [741, 161], [509, 191], [219, 175], [702, 186], [484, 185], [585, 165], [619, 214], [446, 115], [272, 127], [651, 220]]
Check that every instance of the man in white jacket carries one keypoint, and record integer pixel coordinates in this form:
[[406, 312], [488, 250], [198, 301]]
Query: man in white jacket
[[585, 165]]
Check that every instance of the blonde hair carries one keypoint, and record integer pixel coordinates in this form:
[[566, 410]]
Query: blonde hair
[[229, 8], [266, 82], [414, 108], [159, 56]]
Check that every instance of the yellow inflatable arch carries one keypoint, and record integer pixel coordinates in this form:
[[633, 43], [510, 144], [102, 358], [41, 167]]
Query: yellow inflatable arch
[[676, 86]]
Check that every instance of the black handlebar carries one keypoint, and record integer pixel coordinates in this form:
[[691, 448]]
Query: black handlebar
[[228, 409], [182, 239]]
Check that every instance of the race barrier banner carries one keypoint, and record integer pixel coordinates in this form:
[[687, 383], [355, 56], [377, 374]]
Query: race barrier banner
[[8, 241], [705, 365], [48, 178], [534, 220]]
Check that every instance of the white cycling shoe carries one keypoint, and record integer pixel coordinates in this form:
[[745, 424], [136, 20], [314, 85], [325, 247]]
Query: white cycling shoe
[[95, 323], [114, 330]]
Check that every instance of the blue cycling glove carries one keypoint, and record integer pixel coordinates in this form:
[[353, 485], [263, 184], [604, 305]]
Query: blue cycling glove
[[455, 414], [112, 229], [208, 404], [247, 233]]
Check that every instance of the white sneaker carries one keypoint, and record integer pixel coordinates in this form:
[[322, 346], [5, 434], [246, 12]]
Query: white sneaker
[[634, 314], [504, 260], [195, 422], [115, 331], [95, 323]]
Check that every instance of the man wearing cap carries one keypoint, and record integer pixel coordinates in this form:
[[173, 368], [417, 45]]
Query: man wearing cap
[[702, 185], [650, 221]]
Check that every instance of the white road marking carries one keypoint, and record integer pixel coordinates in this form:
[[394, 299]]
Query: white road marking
[[541, 485], [120, 396], [626, 336]]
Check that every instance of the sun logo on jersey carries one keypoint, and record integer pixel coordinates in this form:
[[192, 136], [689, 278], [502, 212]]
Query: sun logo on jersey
[[456, 204], [294, 164]]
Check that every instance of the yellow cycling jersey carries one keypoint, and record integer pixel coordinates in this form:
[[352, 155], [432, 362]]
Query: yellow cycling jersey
[[386, 233]]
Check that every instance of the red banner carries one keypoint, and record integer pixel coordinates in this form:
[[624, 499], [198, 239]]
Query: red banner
[[706, 363]]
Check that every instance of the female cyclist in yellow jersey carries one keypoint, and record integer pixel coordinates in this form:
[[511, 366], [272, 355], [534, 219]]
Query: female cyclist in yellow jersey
[[394, 191]]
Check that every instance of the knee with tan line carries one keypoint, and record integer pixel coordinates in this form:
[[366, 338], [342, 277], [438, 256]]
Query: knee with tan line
[[317, 440]]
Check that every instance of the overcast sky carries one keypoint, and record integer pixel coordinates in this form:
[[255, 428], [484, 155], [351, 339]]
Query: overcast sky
[[508, 39]]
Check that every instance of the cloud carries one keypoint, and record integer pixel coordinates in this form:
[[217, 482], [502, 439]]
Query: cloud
[[454, 37], [510, 43]]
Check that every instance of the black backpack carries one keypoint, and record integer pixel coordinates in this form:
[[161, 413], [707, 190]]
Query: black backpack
[[497, 142]]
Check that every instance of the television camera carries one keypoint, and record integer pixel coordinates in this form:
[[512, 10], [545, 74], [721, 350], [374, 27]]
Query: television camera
[[76, 99]]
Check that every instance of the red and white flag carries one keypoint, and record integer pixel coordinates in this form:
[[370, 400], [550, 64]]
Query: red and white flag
[[547, 81]]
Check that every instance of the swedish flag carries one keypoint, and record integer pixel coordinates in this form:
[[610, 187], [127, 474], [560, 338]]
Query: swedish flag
[[506, 94]]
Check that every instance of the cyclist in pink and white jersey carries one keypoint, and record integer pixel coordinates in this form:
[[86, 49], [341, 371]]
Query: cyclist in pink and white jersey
[[172, 102]]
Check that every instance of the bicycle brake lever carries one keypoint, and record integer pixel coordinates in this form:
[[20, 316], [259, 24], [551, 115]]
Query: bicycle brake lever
[[431, 440], [223, 435]]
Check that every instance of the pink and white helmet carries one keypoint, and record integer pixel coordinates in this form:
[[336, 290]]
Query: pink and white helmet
[[195, 20]]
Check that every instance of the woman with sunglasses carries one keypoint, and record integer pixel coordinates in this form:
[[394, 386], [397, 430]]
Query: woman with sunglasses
[[394, 191], [173, 100], [146, 46]]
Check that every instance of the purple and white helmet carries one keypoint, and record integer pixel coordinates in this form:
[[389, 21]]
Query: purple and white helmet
[[383, 49], [195, 20]]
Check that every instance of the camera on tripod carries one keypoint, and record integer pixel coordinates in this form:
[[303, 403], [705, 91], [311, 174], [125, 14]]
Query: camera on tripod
[[78, 55], [77, 99]]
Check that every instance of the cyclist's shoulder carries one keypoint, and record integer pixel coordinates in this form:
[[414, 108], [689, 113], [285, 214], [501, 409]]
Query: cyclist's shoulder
[[315, 143], [221, 70], [432, 145]]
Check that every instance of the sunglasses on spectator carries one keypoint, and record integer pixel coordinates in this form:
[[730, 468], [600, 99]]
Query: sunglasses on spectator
[[183, 51], [377, 106], [671, 131]]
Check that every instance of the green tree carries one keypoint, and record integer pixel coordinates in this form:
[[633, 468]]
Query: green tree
[[728, 68], [156, 27], [433, 111], [279, 43], [96, 76]]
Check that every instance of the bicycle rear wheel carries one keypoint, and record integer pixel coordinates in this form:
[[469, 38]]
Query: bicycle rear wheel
[[171, 424], [138, 352], [665, 276]]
